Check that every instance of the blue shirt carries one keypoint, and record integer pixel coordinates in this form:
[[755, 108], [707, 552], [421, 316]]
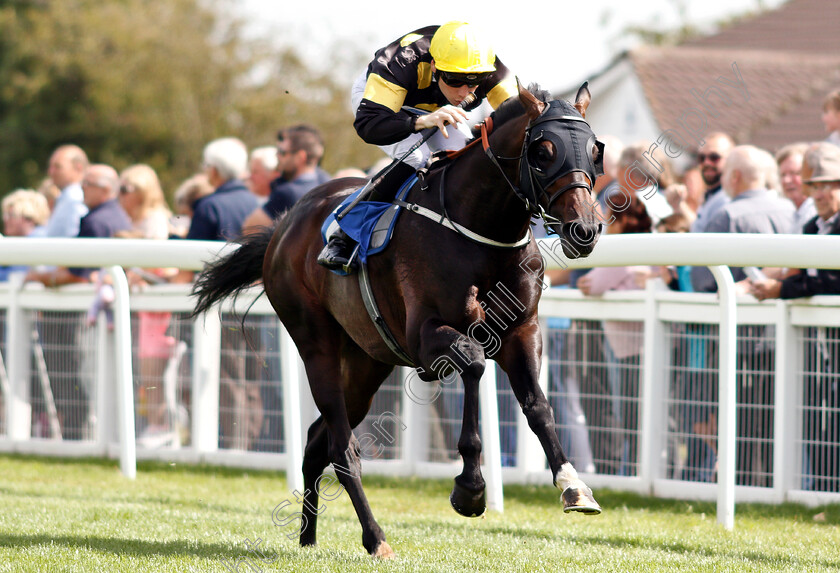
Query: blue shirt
[[284, 193], [68, 212], [752, 211], [102, 222], [219, 216]]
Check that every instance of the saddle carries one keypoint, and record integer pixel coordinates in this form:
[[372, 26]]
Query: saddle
[[370, 223]]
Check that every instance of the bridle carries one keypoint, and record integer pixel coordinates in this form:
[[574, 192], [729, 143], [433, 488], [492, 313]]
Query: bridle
[[559, 123], [566, 129]]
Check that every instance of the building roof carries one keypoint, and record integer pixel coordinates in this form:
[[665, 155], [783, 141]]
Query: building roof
[[789, 59], [783, 100], [802, 26]]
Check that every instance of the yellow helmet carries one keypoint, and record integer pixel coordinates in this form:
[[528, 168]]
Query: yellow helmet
[[461, 48]]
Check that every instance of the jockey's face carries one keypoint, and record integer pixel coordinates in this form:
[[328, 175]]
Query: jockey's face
[[454, 95]]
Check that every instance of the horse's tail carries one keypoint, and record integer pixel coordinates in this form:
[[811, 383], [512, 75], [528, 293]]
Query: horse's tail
[[233, 273]]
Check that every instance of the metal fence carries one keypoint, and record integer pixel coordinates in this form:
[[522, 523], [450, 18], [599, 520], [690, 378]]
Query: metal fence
[[608, 408], [649, 390]]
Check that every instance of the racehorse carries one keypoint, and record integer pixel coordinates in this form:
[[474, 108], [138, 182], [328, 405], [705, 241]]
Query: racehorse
[[434, 286]]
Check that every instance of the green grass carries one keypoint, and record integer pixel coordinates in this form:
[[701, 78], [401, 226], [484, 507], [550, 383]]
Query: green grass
[[60, 515]]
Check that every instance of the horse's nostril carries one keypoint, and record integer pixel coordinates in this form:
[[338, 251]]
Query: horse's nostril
[[580, 233]]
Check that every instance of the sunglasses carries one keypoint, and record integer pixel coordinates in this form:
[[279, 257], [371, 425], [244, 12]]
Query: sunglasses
[[713, 157], [455, 80], [823, 186]]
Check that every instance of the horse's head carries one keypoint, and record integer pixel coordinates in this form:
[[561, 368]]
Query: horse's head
[[560, 161]]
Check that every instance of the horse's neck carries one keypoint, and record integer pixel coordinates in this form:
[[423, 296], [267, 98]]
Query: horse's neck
[[478, 197]]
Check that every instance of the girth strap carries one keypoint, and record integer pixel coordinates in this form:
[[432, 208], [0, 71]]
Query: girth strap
[[377, 318]]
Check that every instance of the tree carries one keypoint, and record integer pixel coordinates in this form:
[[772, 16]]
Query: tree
[[150, 81]]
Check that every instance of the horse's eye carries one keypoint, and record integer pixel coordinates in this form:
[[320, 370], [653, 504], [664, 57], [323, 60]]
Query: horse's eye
[[596, 154], [542, 154]]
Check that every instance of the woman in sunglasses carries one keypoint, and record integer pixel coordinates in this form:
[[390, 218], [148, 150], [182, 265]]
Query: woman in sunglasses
[[416, 82]]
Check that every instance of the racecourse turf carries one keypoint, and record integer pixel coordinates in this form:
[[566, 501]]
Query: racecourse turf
[[82, 515]]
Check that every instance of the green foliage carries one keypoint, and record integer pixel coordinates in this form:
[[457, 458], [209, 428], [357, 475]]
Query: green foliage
[[151, 81]]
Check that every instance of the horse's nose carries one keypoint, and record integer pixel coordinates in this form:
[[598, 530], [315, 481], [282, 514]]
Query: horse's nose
[[581, 237], [582, 233]]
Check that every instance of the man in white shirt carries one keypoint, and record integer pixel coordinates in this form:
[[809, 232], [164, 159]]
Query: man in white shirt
[[67, 169]]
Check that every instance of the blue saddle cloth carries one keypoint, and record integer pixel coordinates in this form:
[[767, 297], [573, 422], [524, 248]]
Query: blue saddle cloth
[[370, 223]]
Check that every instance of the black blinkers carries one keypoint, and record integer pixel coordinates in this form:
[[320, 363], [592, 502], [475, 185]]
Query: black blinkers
[[577, 149]]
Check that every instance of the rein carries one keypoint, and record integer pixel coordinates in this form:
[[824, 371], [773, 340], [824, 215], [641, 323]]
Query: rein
[[548, 220], [446, 221]]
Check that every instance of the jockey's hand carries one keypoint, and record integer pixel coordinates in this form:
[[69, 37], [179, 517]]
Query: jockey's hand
[[448, 114]]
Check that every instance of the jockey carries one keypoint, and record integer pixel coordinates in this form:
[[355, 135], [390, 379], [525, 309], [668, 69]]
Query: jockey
[[414, 83]]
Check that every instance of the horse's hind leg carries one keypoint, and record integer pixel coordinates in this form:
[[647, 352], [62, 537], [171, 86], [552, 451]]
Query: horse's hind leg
[[315, 459], [520, 358], [324, 372]]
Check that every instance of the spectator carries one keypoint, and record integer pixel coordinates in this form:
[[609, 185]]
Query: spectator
[[831, 116], [299, 153], [632, 166], [625, 338], [142, 197], [677, 195], [789, 160], [24, 211], [186, 196], [710, 157], [823, 186], [608, 182], [218, 217], [752, 209], [262, 170], [696, 187], [66, 169], [821, 413], [104, 219], [58, 336]]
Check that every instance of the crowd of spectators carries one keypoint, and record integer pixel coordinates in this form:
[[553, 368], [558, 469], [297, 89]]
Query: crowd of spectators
[[234, 191], [744, 189], [729, 188]]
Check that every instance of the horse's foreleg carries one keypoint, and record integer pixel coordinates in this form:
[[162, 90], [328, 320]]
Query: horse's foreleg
[[446, 352], [520, 358]]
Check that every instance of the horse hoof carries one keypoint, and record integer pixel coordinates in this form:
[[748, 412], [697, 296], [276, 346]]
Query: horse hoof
[[580, 499], [383, 551], [466, 502]]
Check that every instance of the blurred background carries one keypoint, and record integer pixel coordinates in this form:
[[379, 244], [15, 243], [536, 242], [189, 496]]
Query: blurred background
[[153, 81]]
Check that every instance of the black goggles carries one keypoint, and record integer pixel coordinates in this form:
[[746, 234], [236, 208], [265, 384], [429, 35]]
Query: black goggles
[[457, 80]]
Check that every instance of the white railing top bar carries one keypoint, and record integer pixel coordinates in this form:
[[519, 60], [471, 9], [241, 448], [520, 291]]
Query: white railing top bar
[[66, 252], [704, 249]]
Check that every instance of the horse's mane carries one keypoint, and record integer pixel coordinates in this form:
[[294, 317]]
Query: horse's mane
[[512, 107]]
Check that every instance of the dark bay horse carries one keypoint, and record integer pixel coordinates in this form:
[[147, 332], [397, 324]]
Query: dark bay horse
[[433, 285]]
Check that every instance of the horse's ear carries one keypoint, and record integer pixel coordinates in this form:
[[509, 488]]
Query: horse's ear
[[533, 106], [582, 99]]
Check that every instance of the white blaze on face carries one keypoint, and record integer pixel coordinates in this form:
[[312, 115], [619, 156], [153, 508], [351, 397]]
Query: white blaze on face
[[567, 477]]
